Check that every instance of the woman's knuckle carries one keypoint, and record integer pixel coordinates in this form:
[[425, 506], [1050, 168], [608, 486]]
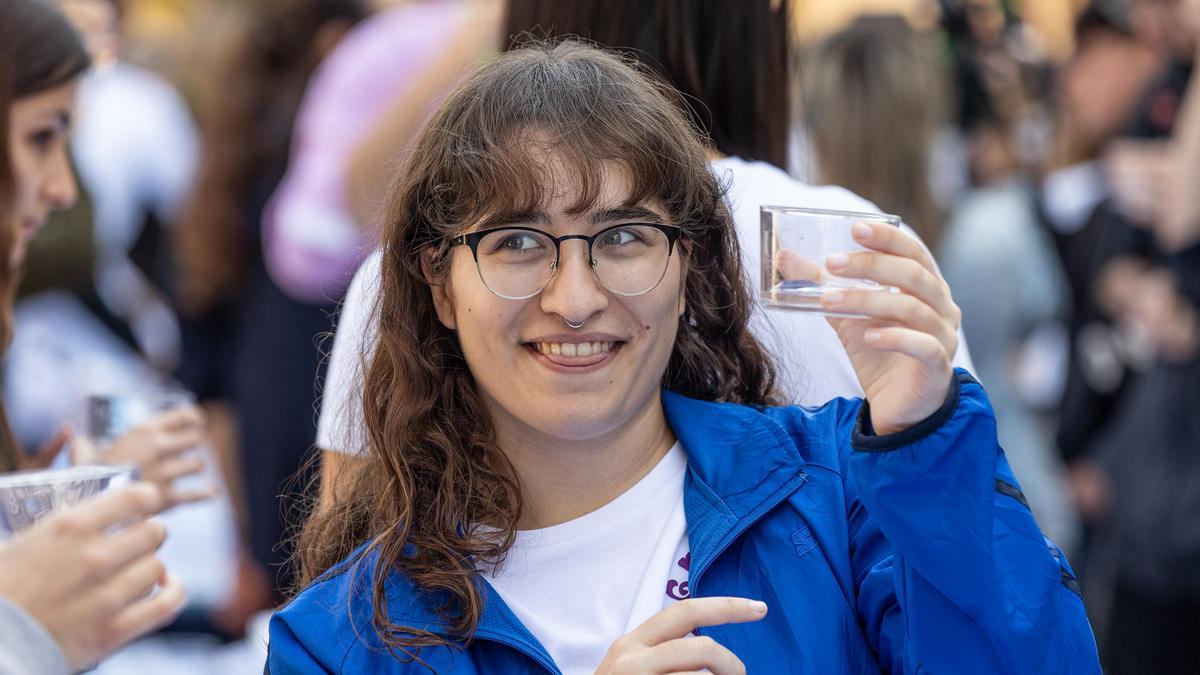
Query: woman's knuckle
[[96, 562], [69, 526], [156, 569], [625, 663]]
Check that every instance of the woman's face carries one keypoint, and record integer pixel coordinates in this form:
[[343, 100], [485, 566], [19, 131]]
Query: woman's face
[[516, 349], [39, 130]]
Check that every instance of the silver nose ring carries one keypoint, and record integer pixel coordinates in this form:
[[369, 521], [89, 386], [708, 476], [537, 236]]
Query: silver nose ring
[[574, 325]]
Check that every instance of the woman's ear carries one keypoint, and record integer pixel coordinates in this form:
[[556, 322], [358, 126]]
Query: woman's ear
[[439, 287]]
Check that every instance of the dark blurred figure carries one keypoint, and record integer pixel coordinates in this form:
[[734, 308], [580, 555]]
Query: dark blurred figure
[[1128, 423], [994, 63], [246, 344]]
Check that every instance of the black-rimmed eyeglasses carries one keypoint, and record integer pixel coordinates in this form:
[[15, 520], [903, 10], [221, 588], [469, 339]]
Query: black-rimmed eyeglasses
[[517, 262]]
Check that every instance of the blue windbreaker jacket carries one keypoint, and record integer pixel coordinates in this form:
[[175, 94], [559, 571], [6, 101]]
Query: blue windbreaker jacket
[[908, 553]]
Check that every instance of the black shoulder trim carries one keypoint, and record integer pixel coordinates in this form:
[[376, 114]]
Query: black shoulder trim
[[1071, 583], [1010, 490], [1068, 579], [865, 440]]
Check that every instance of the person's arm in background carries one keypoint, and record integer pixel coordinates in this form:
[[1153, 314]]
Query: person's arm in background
[[374, 161], [78, 585], [1179, 226], [313, 238], [340, 430]]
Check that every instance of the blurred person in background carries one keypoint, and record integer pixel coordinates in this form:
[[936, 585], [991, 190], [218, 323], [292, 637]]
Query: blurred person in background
[[159, 446], [132, 143], [250, 350], [77, 585], [873, 97], [737, 88], [1150, 541], [1098, 92], [101, 267], [361, 110], [1127, 422]]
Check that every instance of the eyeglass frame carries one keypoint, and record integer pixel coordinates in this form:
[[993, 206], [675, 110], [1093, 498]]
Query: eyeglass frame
[[472, 239]]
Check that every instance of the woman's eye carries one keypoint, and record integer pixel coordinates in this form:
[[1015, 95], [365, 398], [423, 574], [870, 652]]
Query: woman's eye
[[519, 242], [42, 139], [619, 237]]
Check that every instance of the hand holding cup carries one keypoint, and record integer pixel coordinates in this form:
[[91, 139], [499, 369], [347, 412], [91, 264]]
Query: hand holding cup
[[905, 335]]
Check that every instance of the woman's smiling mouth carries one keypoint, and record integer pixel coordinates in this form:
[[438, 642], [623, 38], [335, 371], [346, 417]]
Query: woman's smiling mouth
[[574, 354], [570, 349]]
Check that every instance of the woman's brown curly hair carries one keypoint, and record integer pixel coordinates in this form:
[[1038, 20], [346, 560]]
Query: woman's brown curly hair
[[434, 469]]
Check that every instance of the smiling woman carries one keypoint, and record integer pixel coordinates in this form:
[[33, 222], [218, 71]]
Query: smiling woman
[[575, 463]]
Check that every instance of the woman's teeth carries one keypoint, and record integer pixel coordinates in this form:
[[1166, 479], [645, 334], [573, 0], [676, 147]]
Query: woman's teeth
[[573, 348]]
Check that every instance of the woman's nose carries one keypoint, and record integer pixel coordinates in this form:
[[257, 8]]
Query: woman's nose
[[574, 293], [60, 188]]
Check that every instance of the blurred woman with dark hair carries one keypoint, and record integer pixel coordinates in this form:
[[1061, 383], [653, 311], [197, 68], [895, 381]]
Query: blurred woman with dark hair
[[77, 586]]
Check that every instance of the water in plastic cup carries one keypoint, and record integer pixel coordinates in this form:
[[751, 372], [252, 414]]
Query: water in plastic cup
[[28, 496], [108, 416], [812, 235]]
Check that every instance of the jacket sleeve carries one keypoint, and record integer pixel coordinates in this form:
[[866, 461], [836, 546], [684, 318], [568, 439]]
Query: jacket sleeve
[[26, 648], [952, 573]]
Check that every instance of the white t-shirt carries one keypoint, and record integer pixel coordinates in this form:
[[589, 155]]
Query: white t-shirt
[[581, 585], [812, 364]]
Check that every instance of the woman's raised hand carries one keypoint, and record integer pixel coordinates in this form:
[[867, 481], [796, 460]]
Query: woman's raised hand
[[159, 447], [86, 574], [902, 352], [662, 644]]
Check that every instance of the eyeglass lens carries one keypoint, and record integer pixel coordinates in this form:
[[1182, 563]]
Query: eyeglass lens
[[628, 260]]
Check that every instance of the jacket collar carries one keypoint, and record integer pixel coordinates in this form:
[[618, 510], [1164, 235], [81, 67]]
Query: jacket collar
[[737, 454], [740, 463]]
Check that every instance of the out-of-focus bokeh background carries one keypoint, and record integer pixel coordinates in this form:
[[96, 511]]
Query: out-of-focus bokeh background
[[230, 160]]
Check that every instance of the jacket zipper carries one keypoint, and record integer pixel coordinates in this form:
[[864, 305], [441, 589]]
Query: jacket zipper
[[733, 535], [523, 649]]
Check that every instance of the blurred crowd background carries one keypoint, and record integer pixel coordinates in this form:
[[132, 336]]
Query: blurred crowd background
[[230, 154]]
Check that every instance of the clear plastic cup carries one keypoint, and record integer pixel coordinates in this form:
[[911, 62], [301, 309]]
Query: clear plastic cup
[[811, 235], [108, 416], [28, 496]]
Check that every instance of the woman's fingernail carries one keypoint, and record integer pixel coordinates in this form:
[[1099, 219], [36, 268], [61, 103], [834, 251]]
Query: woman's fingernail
[[862, 231], [757, 606], [871, 336], [837, 261], [833, 297]]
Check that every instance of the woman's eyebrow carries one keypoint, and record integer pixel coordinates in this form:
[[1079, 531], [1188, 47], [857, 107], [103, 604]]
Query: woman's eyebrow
[[514, 218], [60, 118], [626, 213]]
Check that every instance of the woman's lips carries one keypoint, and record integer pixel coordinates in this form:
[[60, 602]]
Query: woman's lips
[[558, 356]]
